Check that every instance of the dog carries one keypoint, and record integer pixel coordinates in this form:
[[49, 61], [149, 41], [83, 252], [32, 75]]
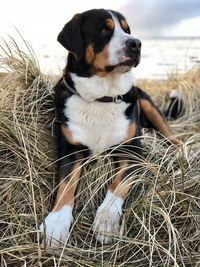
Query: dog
[[98, 108]]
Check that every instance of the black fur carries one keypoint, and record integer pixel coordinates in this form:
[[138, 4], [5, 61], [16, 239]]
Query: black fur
[[85, 37], [76, 35], [174, 109]]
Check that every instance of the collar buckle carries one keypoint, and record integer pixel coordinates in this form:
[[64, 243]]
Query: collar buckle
[[117, 99]]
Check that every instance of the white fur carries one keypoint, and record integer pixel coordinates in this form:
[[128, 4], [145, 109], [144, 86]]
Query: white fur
[[57, 225], [108, 217], [117, 44], [96, 87], [95, 124]]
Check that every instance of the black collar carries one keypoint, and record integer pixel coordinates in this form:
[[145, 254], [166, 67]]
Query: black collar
[[127, 98]]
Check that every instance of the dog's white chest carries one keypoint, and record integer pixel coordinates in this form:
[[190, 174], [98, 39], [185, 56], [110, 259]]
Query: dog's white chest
[[97, 125]]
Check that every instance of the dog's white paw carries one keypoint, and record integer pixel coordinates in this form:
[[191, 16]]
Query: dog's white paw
[[57, 225], [107, 218]]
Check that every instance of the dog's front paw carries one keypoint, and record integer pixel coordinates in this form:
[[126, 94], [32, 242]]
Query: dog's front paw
[[107, 218], [56, 226]]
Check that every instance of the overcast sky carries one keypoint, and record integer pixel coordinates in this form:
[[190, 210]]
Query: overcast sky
[[164, 17], [41, 20]]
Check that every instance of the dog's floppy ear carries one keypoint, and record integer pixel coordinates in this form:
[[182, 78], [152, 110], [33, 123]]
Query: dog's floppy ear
[[70, 36]]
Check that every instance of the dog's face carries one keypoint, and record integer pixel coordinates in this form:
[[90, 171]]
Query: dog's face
[[101, 38]]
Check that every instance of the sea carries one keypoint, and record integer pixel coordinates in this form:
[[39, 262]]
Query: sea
[[160, 57]]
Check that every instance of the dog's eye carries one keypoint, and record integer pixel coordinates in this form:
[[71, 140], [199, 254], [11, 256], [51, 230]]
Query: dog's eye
[[105, 31]]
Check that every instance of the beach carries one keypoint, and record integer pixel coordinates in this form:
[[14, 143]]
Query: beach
[[160, 57]]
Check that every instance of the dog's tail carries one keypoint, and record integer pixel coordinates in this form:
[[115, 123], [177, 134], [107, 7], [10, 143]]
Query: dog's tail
[[175, 106]]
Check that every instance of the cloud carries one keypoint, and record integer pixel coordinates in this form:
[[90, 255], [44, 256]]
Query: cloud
[[153, 16]]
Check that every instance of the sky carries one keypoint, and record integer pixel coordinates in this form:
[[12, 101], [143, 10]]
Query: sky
[[43, 19], [177, 18], [40, 21]]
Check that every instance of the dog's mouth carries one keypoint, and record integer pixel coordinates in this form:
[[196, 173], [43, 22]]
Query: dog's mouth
[[125, 65], [131, 62]]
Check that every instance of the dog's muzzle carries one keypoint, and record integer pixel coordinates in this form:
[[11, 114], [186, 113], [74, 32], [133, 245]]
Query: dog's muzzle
[[133, 51]]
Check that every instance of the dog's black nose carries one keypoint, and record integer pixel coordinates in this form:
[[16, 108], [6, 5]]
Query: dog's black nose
[[134, 44]]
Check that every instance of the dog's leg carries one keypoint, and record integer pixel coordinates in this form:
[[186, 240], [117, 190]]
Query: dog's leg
[[107, 220], [57, 223], [152, 117]]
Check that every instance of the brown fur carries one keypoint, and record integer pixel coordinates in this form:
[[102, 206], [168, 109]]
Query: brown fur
[[66, 190], [157, 120], [119, 188], [89, 55], [68, 135], [98, 61], [110, 23], [101, 59], [131, 131], [124, 25]]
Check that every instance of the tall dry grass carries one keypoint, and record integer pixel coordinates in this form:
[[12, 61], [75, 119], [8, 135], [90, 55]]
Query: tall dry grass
[[161, 221]]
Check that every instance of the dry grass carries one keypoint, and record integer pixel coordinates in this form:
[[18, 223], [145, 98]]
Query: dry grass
[[161, 221]]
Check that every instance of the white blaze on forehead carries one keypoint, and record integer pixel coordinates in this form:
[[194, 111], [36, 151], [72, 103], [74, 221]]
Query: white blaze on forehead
[[116, 47]]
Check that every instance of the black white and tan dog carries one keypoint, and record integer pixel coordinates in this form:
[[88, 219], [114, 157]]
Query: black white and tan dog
[[98, 108]]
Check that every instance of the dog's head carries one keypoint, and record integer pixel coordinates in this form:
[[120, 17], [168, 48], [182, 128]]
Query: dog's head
[[102, 39]]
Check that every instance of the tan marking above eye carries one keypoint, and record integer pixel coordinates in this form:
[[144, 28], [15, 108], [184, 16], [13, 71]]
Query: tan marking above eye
[[110, 23], [124, 25]]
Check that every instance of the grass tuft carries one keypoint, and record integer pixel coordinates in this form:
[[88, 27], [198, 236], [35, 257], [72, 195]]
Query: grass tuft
[[161, 221]]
